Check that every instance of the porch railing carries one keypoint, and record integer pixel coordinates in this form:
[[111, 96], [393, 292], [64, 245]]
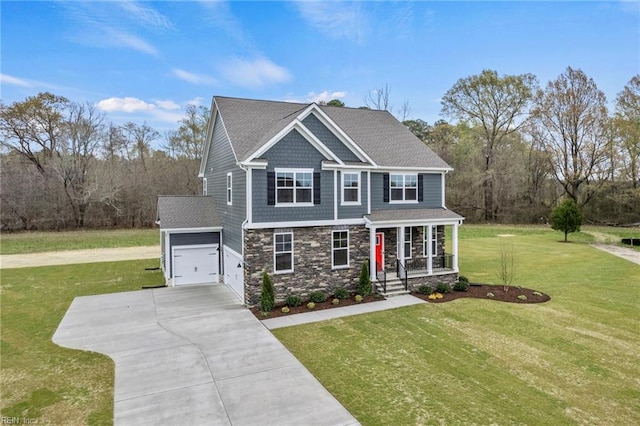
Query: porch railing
[[381, 276], [402, 274], [420, 265]]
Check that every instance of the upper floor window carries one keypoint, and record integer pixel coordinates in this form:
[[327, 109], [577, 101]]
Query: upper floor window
[[350, 188], [294, 186], [403, 187], [204, 186], [229, 188]]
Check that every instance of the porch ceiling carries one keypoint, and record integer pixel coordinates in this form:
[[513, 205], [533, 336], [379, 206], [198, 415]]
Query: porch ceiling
[[380, 218]]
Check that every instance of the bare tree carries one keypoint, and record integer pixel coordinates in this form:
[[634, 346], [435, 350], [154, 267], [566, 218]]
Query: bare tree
[[379, 99], [570, 121]]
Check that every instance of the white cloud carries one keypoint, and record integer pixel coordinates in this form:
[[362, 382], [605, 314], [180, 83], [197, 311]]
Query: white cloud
[[325, 96], [197, 101], [15, 81], [193, 78], [335, 19], [254, 73], [144, 15], [118, 38], [167, 105], [127, 104]]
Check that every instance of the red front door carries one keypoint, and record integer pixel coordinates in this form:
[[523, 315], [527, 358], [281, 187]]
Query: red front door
[[379, 251]]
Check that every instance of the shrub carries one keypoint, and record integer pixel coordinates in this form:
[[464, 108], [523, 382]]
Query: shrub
[[267, 297], [462, 278], [341, 293], [311, 305], [285, 310], [318, 296], [522, 297], [293, 301], [335, 302], [364, 283], [358, 298], [425, 289], [443, 288], [491, 295], [537, 293], [461, 286]]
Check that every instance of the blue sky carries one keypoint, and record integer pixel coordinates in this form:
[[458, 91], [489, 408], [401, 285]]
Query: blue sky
[[146, 60]]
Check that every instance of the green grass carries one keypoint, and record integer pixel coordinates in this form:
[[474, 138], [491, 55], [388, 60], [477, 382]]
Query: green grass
[[573, 360], [41, 380], [35, 242]]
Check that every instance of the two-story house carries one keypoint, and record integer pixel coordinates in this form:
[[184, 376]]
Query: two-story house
[[309, 193]]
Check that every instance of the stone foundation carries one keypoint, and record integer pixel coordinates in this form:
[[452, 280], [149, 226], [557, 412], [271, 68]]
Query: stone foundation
[[311, 262], [432, 280]]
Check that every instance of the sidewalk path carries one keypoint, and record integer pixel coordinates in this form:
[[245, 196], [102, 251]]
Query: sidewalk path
[[78, 256]]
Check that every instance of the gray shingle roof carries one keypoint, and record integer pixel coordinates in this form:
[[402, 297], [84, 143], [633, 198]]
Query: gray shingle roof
[[410, 215], [187, 211], [251, 123]]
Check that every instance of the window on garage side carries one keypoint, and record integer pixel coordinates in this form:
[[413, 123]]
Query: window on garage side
[[229, 188], [283, 252], [340, 249]]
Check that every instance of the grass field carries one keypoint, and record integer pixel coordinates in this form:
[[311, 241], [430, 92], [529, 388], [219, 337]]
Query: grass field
[[35, 242], [573, 360], [43, 381]]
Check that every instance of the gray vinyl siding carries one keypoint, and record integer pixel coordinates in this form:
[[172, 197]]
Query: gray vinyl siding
[[328, 138], [352, 212], [432, 193], [190, 238], [292, 152], [221, 161]]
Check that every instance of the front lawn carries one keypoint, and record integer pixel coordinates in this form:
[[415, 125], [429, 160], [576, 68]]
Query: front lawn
[[574, 359], [40, 380], [35, 242]]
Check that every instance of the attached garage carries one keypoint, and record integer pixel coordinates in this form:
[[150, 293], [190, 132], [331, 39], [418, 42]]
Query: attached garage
[[233, 272], [190, 240]]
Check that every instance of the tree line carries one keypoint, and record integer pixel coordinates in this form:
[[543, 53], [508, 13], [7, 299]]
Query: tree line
[[517, 149], [65, 166]]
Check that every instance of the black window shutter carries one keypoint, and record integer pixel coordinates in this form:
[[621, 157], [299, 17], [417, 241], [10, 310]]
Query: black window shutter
[[271, 188], [420, 188], [316, 188], [385, 187]]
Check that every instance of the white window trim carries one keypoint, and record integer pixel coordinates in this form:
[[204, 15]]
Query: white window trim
[[410, 242], [229, 188], [333, 266], [430, 239], [287, 271], [204, 186], [294, 203], [434, 241], [404, 188], [350, 203]]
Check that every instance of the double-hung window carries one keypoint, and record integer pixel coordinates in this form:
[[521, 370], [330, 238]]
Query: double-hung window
[[294, 186], [340, 249], [350, 188], [204, 186], [403, 187], [283, 252], [430, 239], [229, 188]]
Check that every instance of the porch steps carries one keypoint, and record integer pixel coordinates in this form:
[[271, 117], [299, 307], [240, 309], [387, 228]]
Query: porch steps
[[394, 288]]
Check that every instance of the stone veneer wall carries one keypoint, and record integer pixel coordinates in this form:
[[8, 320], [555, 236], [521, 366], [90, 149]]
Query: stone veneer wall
[[311, 262], [433, 280]]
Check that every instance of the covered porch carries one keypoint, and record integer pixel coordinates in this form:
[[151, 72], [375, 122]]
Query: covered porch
[[409, 244]]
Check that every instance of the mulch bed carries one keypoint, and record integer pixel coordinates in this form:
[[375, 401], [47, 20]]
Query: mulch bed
[[479, 291], [277, 311]]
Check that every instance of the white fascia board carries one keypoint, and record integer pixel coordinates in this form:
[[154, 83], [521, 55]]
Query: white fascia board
[[191, 230], [411, 169], [255, 164], [337, 131], [207, 143], [329, 166], [304, 224], [413, 222]]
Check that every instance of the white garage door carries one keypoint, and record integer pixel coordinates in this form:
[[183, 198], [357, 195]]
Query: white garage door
[[195, 264], [233, 275]]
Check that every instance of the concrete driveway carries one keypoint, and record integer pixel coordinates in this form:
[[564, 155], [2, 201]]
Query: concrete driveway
[[194, 355]]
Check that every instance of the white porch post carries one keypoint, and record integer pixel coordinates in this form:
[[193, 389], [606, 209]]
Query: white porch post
[[429, 239], [373, 268], [454, 246], [401, 245]]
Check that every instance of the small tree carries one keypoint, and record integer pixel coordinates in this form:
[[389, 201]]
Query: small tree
[[507, 270], [566, 217], [267, 298], [364, 283]]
